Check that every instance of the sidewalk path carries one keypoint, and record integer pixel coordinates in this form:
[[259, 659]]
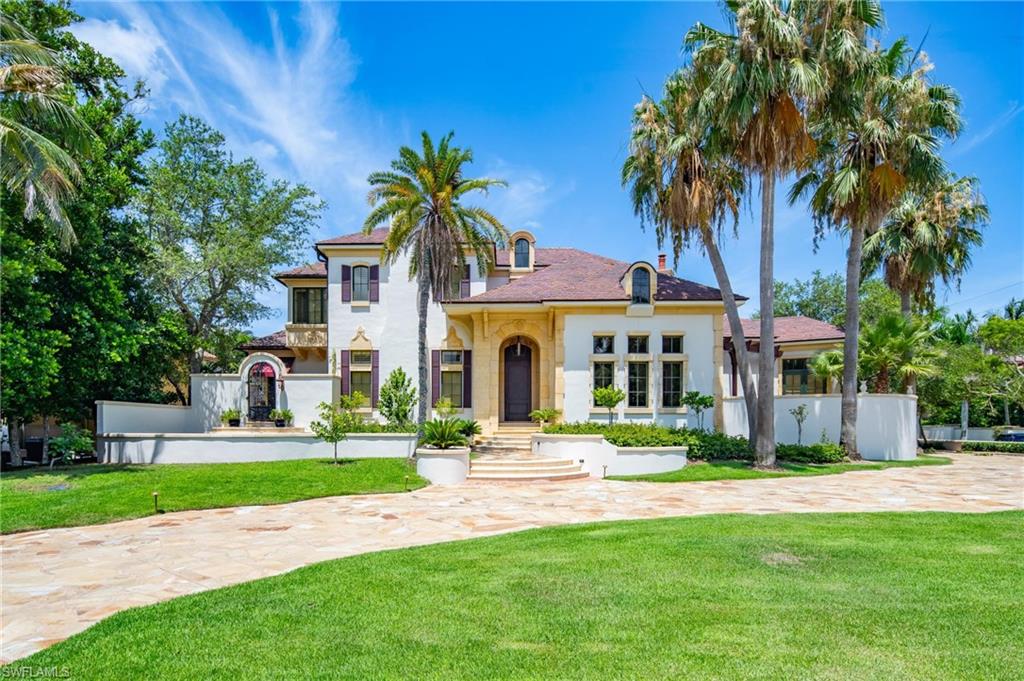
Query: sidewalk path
[[59, 582]]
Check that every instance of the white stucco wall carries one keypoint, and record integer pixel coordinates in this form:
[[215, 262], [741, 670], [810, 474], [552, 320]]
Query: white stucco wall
[[391, 324], [599, 457], [886, 424], [114, 416], [698, 345], [303, 394], [220, 447]]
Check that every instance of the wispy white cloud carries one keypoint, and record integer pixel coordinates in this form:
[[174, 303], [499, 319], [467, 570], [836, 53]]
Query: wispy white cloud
[[995, 126], [530, 192]]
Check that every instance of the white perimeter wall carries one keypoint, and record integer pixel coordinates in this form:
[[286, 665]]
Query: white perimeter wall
[[698, 345], [120, 417], [391, 324], [886, 424], [150, 448], [598, 457]]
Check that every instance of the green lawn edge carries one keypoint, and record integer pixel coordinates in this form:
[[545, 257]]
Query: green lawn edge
[[700, 471]]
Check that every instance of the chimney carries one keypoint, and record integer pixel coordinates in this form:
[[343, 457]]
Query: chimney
[[663, 265]]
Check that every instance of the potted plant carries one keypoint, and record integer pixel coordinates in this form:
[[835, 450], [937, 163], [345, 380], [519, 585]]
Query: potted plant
[[232, 417], [544, 416], [443, 457], [281, 417]]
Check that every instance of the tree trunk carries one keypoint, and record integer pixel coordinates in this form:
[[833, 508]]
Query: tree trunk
[[848, 427], [423, 302], [46, 439], [1006, 411], [739, 342], [905, 305], [965, 418], [14, 438], [764, 446], [195, 366]]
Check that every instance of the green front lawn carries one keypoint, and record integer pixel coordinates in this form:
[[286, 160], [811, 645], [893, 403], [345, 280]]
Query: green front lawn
[[86, 495], [699, 471], [839, 596]]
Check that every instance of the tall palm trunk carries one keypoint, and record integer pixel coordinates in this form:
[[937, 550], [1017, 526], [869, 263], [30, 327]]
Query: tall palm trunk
[[848, 426], [422, 306], [764, 446], [905, 305], [733, 315]]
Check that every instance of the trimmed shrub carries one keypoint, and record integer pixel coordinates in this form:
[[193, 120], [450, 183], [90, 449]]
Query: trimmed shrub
[[374, 427], [820, 452], [998, 447], [626, 434], [707, 446]]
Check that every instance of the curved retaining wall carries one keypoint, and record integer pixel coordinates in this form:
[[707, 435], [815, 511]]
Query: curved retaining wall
[[594, 453]]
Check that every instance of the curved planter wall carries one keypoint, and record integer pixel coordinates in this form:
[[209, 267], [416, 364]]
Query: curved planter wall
[[594, 453], [443, 466]]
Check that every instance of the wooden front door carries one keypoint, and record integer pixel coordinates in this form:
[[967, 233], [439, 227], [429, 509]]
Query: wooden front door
[[518, 388]]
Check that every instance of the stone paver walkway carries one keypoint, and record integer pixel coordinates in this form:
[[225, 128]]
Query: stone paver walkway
[[58, 582]]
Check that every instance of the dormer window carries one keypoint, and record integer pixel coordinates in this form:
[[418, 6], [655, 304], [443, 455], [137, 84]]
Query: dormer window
[[522, 254], [641, 286]]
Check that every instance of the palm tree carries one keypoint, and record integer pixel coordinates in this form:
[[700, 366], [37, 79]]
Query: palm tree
[[897, 348], [1014, 309], [928, 235], [760, 81], [688, 194], [420, 197], [37, 95], [828, 366], [882, 139]]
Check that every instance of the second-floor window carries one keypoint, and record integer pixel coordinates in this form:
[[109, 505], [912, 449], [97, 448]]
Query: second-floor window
[[522, 253], [308, 305], [361, 283]]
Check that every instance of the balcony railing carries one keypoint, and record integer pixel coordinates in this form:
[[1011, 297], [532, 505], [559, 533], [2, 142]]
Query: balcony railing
[[307, 338]]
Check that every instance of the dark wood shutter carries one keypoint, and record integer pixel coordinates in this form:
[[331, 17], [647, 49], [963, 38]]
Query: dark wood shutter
[[346, 284], [374, 283], [374, 376], [344, 372], [467, 379], [464, 284], [435, 377]]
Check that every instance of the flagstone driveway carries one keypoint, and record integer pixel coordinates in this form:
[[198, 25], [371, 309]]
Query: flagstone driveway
[[58, 582]]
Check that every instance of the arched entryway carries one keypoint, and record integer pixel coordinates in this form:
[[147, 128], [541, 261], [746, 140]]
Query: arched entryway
[[519, 380], [262, 391]]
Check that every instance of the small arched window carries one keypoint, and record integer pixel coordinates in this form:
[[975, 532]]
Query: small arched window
[[522, 253], [641, 286], [360, 282]]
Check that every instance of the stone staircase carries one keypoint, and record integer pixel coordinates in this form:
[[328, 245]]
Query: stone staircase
[[507, 456]]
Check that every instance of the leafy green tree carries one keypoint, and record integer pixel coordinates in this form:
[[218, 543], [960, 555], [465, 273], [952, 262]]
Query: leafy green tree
[[880, 136], [968, 375], [333, 425], [820, 297], [699, 403], [218, 228], [689, 192], [1005, 338], [608, 397], [799, 414], [397, 397], [896, 349], [421, 198], [41, 132]]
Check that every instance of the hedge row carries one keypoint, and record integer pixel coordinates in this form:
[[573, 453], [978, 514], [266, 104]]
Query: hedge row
[[981, 446], [702, 445]]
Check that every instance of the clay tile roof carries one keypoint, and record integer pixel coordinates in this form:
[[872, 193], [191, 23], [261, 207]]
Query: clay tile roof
[[312, 270], [275, 341], [377, 236], [791, 329], [569, 274]]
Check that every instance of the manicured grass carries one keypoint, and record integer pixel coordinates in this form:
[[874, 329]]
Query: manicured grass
[[699, 471], [838, 596], [86, 495]]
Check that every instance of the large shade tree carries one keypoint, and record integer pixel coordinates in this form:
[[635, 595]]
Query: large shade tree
[[42, 135], [688, 193], [421, 199], [880, 137]]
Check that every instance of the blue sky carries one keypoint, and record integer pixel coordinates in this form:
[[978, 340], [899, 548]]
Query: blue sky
[[325, 93]]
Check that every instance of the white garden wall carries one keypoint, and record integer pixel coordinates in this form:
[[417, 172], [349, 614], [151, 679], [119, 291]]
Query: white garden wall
[[160, 418], [886, 424], [954, 432], [226, 447], [598, 457], [698, 346]]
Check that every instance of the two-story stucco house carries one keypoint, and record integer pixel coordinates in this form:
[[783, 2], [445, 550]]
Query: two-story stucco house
[[541, 329]]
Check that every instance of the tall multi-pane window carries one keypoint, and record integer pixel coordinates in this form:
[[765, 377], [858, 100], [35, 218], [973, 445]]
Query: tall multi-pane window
[[797, 379], [638, 345], [522, 253], [451, 376], [671, 384], [361, 283], [360, 373], [672, 345], [641, 286], [308, 305], [604, 374], [604, 345], [636, 384]]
